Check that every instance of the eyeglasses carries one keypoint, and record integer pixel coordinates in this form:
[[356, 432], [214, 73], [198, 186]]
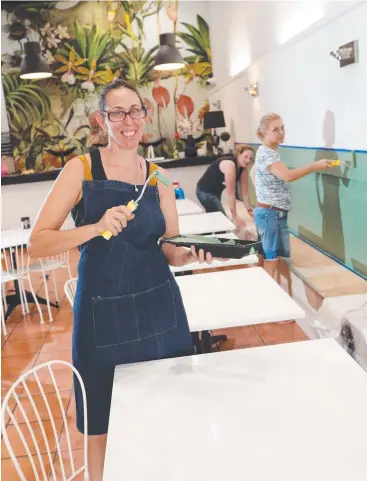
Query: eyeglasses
[[118, 115]]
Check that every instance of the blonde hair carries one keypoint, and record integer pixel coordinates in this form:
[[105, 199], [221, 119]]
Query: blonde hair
[[264, 124], [241, 148]]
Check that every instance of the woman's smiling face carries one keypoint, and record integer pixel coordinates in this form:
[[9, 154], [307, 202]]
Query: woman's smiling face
[[126, 132]]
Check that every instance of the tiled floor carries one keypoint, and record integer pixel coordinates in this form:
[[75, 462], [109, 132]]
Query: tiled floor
[[29, 343]]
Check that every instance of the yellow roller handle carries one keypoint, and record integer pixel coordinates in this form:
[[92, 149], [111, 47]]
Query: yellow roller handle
[[335, 163], [107, 234]]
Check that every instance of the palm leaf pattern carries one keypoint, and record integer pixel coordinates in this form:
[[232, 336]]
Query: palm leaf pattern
[[26, 102], [197, 42]]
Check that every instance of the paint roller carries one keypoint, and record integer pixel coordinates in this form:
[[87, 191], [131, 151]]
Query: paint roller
[[336, 163], [133, 204]]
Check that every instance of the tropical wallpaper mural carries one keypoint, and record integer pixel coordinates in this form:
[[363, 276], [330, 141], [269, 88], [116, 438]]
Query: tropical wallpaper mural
[[88, 45]]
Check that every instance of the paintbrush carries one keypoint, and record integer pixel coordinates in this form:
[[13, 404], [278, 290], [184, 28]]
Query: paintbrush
[[133, 204]]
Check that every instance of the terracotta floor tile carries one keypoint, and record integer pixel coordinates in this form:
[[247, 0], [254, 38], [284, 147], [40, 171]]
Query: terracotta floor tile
[[30, 327], [9, 473], [17, 444], [63, 323], [22, 346], [276, 333], [41, 407], [13, 367], [78, 460], [61, 355], [57, 341], [239, 337], [11, 324]]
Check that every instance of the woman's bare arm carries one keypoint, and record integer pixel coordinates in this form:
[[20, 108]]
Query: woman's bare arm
[[176, 256], [228, 168], [46, 238], [244, 189], [290, 175]]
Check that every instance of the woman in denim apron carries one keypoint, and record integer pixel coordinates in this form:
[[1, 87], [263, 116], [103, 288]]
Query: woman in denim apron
[[128, 307]]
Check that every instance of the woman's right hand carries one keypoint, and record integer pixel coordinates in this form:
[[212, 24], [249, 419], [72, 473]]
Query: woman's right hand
[[323, 164], [114, 220]]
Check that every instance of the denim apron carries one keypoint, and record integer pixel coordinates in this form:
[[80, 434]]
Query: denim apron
[[128, 307]]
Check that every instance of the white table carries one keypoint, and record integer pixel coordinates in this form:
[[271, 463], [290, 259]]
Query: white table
[[217, 300], [188, 207], [13, 237], [205, 223], [291, 412], [196, 266]]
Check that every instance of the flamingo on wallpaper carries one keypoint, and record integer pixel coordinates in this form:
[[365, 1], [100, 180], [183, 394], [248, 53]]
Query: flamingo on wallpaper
[[162, 97]]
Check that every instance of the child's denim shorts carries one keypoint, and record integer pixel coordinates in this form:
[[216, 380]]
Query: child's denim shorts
[[272, 227]]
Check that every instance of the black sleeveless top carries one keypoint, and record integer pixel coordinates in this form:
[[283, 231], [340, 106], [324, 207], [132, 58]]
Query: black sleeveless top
[[212, 182]]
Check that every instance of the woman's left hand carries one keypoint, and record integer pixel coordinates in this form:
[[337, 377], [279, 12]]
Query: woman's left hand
[[194, 256]]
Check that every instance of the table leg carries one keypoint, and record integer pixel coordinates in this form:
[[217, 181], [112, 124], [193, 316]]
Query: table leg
[[13, 300], [206, 342], [196, 342], [221, 338]]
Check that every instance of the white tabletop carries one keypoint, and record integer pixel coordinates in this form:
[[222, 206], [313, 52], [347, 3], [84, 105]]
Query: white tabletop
[[290, 412], [205, 223], [188, 207], [196, 266], [13, 237], [217, 300]]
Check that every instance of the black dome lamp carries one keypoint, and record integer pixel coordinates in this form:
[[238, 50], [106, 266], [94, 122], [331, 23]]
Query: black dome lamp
[[34, 66], [168, 56]]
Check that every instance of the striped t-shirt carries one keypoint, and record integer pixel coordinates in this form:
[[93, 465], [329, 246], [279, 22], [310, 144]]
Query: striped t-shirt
[[270, 189]]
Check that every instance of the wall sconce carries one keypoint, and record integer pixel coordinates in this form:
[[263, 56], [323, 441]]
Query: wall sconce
[[253, 90], [346, 54]]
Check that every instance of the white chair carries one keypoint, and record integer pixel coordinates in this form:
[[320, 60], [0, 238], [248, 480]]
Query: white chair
[[14, 270], [70, 289], [48, 265], [8, 413], [5, 332]]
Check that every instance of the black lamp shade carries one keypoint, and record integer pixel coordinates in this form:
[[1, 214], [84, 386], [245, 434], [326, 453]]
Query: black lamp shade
[[214, 120], [33, 65], [168, 57]]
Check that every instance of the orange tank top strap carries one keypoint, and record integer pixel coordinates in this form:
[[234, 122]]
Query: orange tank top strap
[[87, 169], [152, 168]]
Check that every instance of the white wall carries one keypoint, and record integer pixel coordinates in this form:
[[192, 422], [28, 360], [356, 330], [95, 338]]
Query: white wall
[[297, 78], [22, 200]]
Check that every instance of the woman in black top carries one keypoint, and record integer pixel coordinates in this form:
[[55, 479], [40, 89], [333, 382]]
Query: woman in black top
[[224, 174]]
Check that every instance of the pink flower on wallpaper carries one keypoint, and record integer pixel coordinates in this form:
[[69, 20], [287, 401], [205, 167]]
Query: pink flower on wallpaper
[[185, 106], [161, 95]]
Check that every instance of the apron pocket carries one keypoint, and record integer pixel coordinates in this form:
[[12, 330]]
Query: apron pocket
[[155, 310], [114, 320], [134, 317]]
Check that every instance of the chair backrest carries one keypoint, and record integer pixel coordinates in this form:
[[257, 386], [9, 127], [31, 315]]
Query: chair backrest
[[2, 316], [70, 289], [13, 260], [40, 445]]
